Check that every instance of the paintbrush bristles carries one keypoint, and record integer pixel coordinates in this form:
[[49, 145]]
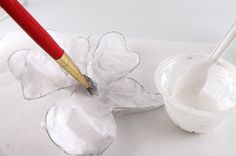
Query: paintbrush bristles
[[67, 64], [92, 89]]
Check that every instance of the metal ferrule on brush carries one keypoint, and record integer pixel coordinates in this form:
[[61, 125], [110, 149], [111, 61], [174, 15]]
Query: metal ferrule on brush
[[67, 64], [46, 42]]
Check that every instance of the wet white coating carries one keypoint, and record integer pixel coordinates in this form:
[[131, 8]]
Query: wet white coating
[[82, 124]]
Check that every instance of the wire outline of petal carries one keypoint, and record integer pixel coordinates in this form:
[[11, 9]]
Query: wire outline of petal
[[22, 86], [137, 109], [92, 154], [125, 44], [126, 48]]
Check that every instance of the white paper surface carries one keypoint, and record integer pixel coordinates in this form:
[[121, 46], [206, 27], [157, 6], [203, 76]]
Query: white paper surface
[[82, 124], [142, 134]]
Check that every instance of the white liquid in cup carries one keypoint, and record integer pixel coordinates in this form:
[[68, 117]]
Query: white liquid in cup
[[187, 108]]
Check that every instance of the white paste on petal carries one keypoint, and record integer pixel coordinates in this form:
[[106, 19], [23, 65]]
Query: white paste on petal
[[128, 96], [39, 74], [111, 60], [77, 131], [75, 46], [82, 124]]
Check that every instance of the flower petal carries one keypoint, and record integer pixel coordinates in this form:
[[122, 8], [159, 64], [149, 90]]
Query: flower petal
[[11, 42], [111, 59], [128, 96], [75, 46], [40, 75], [78, 132], [96, 105]]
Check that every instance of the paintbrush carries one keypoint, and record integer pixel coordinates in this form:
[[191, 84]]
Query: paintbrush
[[28, 23]]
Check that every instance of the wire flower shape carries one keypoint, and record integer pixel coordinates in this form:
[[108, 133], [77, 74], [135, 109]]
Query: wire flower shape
[[82, 124]]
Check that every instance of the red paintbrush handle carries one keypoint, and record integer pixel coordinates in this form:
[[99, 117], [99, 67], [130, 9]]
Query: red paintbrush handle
[[32, 27]]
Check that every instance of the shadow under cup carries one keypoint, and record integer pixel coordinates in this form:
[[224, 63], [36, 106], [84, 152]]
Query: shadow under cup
[[221, 84]]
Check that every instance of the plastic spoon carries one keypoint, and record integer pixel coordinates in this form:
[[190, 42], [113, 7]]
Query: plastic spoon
[[196, 77]]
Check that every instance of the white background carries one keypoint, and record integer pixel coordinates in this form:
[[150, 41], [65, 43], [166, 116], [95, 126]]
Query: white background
[[152, 22], [171, 20]]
